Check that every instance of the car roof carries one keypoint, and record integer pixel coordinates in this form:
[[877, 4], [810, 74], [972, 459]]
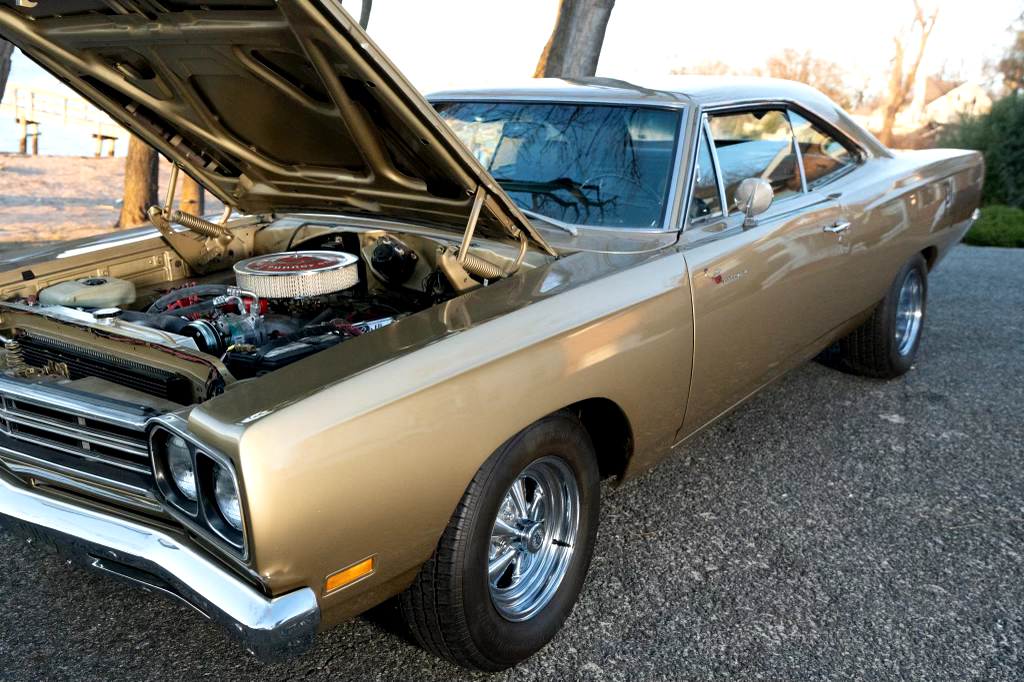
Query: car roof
[[676, 91], [670, 90]]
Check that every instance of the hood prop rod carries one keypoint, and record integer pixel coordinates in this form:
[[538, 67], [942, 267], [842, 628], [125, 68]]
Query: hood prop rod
[[201, 254], [192, 222], [458, 269]]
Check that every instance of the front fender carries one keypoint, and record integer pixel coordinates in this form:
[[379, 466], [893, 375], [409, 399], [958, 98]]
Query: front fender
[[375, 464]]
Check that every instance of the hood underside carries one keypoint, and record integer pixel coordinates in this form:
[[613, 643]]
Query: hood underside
[[272, 105]]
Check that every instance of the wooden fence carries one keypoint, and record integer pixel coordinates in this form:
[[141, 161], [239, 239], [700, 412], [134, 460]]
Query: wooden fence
[[31, 108]]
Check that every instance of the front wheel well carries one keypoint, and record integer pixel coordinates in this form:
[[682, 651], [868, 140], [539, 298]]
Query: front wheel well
[[930, 254], [609, 431]]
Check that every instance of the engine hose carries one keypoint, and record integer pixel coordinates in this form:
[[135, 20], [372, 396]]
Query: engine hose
[[200, 307], [166, 322], [475, 265], [197, 224], [197, 290]]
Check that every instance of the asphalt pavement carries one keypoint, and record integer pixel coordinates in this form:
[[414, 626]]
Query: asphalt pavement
[[833, 528]]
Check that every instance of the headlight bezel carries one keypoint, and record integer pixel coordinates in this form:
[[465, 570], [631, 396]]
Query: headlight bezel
[[202, 516]]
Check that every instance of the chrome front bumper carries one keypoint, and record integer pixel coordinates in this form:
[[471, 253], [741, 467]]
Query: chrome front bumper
[[272, 629]]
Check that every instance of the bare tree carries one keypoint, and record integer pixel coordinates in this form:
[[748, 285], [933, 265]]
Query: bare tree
[[575, 44], [951, 73], [802, 67], [140, 183], [901, 79], [1011, 66], [6, 50]]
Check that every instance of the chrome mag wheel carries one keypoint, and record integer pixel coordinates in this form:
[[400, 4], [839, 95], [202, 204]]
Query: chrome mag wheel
[[533, 538], [909, 312]]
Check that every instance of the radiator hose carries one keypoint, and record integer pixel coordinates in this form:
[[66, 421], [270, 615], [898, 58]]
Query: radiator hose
[[167, 299]]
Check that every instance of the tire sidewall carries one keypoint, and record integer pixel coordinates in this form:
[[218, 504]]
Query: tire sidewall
[[504, 642], [902, 363]]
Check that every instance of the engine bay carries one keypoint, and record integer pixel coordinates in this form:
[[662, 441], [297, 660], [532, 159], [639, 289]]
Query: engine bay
[[185, 340]]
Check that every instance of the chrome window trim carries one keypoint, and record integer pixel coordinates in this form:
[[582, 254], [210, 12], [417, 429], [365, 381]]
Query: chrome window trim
[[718, 168], [859, 155], [799, 155], [792, 138], [672, 205], [733, 224], [704, 136], [800, 108], [785, 105], [549, 99]]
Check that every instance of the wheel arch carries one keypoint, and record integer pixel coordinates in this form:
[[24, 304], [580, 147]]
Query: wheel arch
[[931, 255], [610, 431]]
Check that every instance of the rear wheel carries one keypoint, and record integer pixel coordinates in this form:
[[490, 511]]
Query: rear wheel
[[885, 346], [512, 561]]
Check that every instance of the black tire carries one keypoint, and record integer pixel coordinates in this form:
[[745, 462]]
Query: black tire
[[872, 349], [449, 609]]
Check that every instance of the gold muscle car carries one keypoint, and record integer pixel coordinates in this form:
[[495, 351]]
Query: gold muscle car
[[424, 330]]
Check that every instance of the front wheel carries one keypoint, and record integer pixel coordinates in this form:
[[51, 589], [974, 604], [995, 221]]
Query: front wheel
[[511, 563], [885, 345]]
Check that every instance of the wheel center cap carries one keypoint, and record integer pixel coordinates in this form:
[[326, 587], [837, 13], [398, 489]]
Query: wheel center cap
[[533, 538]]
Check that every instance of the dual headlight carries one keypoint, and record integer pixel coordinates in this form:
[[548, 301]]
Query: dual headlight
[[198, 483]]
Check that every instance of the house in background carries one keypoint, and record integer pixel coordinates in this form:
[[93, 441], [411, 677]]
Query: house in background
[[936, 103]]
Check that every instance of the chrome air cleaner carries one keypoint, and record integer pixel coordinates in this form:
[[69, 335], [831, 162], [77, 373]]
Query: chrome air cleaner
[[297, 274]]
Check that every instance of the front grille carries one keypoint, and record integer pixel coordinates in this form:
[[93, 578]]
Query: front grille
[[83, 363], [87, 437]]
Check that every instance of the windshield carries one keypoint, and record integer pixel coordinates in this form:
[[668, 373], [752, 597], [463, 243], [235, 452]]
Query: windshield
[[583, 164]]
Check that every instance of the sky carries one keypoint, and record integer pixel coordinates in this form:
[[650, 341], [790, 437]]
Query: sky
[[468, 42]]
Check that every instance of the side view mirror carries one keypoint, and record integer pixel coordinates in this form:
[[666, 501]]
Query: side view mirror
[[754, 196]]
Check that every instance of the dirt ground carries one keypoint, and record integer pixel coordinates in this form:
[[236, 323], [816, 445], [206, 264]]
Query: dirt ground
[[51, 198]]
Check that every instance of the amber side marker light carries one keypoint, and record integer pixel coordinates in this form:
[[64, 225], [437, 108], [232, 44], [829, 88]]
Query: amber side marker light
[[350, 574]]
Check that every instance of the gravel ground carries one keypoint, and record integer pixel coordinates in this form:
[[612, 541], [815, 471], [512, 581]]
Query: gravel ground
[[833, 528], [47, 198]]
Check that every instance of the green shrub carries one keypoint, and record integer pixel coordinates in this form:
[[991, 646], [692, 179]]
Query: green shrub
[[999, 135], [998, 226]]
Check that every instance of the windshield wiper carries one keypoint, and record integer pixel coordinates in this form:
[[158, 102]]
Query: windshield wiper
[[568, 227], [574, 188]]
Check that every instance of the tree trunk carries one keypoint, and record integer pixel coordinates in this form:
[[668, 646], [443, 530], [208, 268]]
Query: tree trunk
[[901, 81], [574, 47], [885, 136], [191, 196], [140, 183], [6, 50]]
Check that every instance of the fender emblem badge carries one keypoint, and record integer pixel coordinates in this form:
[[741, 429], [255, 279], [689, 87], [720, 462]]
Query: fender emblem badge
[[717, 277]]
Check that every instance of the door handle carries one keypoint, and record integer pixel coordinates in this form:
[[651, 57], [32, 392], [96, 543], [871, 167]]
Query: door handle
[[837, 228]]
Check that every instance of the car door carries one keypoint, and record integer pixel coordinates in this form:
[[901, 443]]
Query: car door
[[762, 294]]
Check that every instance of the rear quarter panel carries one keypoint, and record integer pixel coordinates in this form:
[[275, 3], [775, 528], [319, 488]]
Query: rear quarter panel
[[375, 463], [900, 206]]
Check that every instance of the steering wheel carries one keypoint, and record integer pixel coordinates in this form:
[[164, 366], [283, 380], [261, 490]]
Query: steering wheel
[[597, 180]]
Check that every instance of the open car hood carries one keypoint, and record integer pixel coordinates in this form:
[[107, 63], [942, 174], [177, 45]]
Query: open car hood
[[272, 105]]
